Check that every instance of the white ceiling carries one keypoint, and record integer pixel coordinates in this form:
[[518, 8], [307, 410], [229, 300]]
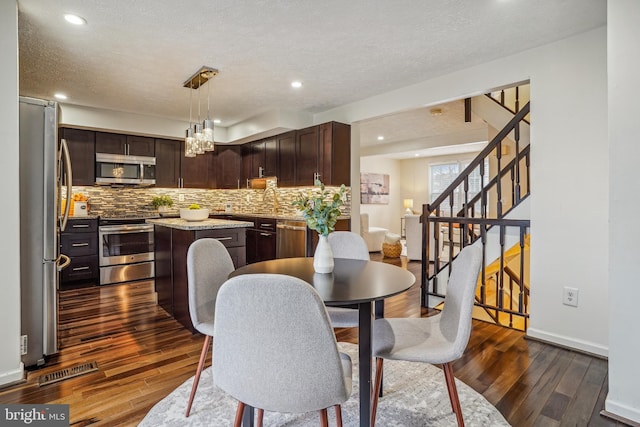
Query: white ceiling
[[134, 55]]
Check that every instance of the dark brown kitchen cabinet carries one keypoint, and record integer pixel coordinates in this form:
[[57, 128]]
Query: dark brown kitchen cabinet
[[111, 143], [171, 246], [261, 239], [83, 156], [133, 145], [246, 171], [168, 152], [307, 155], [174, 170], [335, 153], [79, 242], [228, 166], [140, 146], [286, 162], [259, 159], [323, 152], [199, 171]]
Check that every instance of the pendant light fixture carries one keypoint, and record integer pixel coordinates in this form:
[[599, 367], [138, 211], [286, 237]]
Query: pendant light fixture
[[207, 124], [197, 127], [189, 140], [199, 138]]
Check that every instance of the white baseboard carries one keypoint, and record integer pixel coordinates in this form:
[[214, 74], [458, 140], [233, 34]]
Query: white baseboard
[[621, 412], [13, 376], [569, 342]]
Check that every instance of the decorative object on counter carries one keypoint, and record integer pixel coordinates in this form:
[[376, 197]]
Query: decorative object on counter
[[194, 213], [162, 203], [321, 212], [79, 205], [199, 136]]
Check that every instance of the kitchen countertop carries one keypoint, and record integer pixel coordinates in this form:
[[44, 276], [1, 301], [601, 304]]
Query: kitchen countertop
[[270, 216], [206, 224]]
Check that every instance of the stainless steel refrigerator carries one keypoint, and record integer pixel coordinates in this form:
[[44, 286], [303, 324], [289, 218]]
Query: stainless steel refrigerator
[[44, 166]]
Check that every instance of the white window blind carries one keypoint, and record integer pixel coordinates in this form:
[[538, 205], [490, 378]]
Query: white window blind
[[442, 175]]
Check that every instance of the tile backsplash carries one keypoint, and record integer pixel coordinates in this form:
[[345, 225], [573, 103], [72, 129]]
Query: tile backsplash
[[127, 200]]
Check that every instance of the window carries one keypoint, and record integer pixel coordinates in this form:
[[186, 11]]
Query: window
[[442, 175]]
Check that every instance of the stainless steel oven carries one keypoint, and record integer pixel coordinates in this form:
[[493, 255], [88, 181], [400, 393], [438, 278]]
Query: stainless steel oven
[[126, 251]]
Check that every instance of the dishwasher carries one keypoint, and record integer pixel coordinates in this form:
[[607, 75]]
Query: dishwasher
[[291, 239]]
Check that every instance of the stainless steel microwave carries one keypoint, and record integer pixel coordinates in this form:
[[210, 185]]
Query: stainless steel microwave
[[121, 169]]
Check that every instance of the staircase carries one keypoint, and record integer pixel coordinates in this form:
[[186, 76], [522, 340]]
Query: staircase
[[460, 217]]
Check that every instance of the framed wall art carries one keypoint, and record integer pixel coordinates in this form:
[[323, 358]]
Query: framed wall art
[[374, 189]]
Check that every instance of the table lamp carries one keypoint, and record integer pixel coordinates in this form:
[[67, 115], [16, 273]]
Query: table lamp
[[408, 205]]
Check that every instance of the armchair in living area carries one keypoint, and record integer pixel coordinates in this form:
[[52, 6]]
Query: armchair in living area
[[374, 236], [413, 230]]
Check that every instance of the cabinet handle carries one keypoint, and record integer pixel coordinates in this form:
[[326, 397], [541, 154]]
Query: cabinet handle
[[238, 184], [224, 238], [80, 268], [267, 225], [265, 234], [80, 226], [77, 245]]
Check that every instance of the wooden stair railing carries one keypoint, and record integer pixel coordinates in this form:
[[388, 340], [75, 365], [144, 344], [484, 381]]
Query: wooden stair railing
[[502, 100], [474, 221]]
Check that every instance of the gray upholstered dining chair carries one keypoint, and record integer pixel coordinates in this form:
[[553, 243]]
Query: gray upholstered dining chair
[[439, 339], [346, 244], [208, 267], [275, 349]]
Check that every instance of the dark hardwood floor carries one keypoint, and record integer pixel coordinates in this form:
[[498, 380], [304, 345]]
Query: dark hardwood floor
[[143, 354]]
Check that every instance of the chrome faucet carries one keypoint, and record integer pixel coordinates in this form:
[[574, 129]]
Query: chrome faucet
[[275, 198]]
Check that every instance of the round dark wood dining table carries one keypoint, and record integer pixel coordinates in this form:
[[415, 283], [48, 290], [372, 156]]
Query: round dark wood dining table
[[352, 282]]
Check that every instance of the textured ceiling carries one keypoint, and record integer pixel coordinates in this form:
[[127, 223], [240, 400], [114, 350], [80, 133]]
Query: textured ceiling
[[134, 55]]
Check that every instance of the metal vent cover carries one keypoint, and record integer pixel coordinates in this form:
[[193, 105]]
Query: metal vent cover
[[63, 374]]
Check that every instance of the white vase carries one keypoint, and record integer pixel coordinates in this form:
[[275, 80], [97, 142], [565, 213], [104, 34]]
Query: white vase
[[323, 257]]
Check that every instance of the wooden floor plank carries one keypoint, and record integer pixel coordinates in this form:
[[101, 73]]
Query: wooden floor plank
[[143, 354]]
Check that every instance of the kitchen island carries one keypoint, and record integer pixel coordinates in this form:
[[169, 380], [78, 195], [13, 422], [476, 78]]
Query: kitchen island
[[172, 237]]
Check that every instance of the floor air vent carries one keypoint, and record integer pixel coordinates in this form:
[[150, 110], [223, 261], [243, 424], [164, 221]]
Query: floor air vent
[[64, 374]]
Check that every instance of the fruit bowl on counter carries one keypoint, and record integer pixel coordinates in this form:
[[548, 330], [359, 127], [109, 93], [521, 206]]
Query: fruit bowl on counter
[[190, 214]]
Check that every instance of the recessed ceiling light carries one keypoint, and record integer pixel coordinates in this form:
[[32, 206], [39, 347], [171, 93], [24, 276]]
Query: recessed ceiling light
[[217, 121], [75, 19], [60, 96], [416, 155], [380, 138], [296, 84]]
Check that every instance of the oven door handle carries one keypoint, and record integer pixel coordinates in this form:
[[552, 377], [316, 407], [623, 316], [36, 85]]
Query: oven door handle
[[122, 229]]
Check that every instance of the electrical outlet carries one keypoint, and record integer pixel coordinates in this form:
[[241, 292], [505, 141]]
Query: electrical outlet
[[24, 345], [570, 296], [181, 197]]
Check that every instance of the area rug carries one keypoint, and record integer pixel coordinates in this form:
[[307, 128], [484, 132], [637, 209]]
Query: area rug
[[415, 394]]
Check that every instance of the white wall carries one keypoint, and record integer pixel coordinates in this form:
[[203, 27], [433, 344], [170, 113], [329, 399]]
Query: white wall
[[385, 216], [414, 176], [101, 119], [624, 150], [569, 213], [10, 365]]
